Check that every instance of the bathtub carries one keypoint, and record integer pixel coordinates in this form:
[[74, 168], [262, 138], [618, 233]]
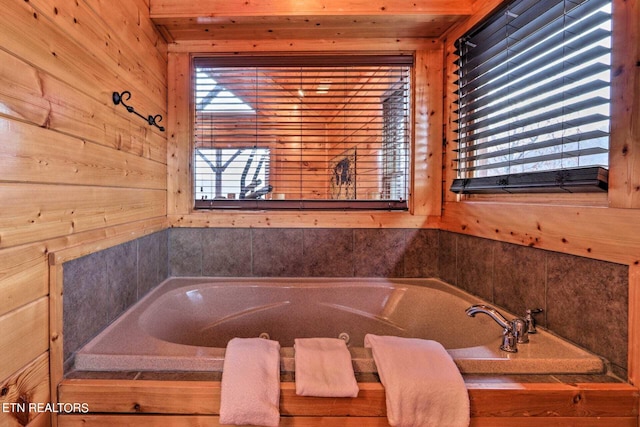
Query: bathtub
[[185, 323]]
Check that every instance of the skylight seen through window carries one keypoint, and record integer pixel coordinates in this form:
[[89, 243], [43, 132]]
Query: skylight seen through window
[[214, 98]]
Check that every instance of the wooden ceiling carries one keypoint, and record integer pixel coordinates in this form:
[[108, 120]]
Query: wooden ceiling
[[181, 20]]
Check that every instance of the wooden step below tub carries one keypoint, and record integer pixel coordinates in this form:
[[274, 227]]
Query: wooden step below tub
[[181, 399]]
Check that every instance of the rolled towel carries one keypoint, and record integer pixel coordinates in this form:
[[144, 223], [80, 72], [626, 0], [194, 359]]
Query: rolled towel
[[423, 385], [324, 368], [250, 387]]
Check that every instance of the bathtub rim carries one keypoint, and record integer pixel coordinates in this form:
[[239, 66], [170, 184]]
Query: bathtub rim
[[533, 358]]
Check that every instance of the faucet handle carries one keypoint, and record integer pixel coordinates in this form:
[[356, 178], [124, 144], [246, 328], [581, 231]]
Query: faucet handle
[[509, 341], [520, 330], [531, 321]]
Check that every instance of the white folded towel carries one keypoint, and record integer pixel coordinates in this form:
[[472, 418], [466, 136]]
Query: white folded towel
[[423, 386], [324, 368], [250, 388]]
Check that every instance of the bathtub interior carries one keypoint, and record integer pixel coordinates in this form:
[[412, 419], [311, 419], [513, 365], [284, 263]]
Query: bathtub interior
[[185, 323], [212, 315]]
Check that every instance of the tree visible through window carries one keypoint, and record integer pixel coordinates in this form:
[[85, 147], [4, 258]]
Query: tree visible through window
[[231, 173]]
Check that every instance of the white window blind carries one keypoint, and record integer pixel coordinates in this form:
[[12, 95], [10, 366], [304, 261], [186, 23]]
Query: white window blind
[[533, 98], [302, 132]]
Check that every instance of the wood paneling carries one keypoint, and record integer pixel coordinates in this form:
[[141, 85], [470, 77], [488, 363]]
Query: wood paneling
[[43, 419], [307, 26], [48, 46], [427, 149], [35, 211], [198, 397], [56, 330], [602, 233], [27, 386], [67, 248], [236, 19], [179, 158], [33, 154], [633, 321], [59, 63], [539, 404], [75, 167], [131, 22], [34, 96], [554, 422], [24, 270], [553, 400], [174, 9], [24, 335], [23, 276], [374, 219], [330, 44], [93, 34], [213, 421], [624, 157]]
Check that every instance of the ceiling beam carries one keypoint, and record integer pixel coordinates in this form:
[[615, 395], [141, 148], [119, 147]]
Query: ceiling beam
[[163, 11]]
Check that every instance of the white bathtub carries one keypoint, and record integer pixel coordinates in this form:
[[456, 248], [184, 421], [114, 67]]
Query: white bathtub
[[185, 323]]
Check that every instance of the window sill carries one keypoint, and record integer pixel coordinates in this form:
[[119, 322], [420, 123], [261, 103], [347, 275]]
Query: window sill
[[301, 205], [582, 180], [559, 199], [237, 218]]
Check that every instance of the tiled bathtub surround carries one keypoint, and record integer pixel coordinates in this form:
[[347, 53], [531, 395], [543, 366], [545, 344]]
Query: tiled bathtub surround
[[585, 300], [291, 252], [101, 286]]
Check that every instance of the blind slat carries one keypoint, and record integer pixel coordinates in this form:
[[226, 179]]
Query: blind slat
[[531, 120], [496, 65], [587, 136], [482, 120], [540, 22], [497, 77], [476, 96], [543, 130], [527, 89], [537, 159]]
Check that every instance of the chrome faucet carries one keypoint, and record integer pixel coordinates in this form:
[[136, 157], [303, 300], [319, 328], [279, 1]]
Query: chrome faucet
[[531, 321], [515, 331]]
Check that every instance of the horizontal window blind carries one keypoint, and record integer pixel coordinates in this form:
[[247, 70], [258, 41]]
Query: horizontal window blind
[[534, 91], [302, 132]]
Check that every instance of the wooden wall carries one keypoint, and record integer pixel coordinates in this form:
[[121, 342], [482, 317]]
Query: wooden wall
[[74, 168]]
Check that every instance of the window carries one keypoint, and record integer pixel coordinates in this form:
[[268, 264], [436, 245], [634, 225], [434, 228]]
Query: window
[[534, 97], [302, 132]]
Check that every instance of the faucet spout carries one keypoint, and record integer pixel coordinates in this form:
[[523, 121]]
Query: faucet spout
[[491, 312], [509, 334]]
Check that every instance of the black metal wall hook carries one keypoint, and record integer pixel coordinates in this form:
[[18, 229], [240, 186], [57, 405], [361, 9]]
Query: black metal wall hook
[[119, 98]]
